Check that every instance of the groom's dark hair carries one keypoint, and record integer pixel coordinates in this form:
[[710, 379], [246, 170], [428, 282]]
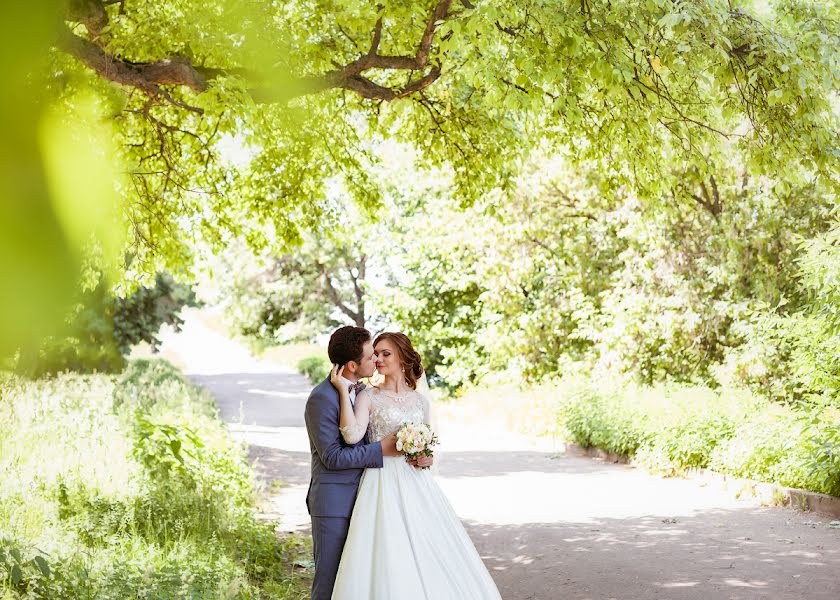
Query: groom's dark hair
[[346, 344]]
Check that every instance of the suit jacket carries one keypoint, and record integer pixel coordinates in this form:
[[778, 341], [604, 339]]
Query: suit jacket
[[336, 466]]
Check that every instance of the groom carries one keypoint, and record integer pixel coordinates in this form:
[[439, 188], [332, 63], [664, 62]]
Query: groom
[[337, 466]]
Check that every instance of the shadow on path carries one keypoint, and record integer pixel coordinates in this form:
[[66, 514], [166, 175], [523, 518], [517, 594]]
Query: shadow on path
[[267, 399], [272, 465], [733, 554]]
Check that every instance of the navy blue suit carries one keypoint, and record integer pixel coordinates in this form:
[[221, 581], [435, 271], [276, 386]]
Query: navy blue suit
[[336, 470]]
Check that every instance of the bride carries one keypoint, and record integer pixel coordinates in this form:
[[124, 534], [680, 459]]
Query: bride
[[405, 541]]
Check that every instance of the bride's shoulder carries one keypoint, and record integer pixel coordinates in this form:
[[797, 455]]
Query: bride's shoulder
[[417, 397], [376, 392], [371, 391]]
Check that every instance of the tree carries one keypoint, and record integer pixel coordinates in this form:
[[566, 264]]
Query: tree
[[693, 286], [632, 87], [299, 294], [102, 328], [638, 86]]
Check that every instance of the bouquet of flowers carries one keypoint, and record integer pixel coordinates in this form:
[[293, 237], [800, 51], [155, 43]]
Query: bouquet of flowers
[[416, 440]]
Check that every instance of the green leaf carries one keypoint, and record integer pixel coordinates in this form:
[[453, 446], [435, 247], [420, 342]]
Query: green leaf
[[175, 445], [42, 565]]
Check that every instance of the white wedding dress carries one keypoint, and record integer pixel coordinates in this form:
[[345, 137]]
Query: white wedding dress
[[405, 541]]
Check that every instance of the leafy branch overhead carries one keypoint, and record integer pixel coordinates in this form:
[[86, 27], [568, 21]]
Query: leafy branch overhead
[[653, 90], [151, 77]]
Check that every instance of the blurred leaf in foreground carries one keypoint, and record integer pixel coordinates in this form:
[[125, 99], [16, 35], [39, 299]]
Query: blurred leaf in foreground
[[56, 184]]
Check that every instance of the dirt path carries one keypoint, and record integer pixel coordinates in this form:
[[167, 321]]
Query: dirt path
[[549, 526]]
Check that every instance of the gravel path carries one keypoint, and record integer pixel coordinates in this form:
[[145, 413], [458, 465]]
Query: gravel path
[[549, 526]]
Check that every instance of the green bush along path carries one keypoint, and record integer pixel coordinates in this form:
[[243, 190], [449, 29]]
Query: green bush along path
[[548, 525], [129, 486]]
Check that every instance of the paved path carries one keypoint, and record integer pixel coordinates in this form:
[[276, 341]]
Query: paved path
[[548, 526]]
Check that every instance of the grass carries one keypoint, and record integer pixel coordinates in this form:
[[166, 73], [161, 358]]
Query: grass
[[130, 487]]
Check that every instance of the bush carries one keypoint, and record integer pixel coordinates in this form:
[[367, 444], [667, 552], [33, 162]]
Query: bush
[[604, 420], [671, 429], [316, 368], [156, 386], [794, 447], [129, 486], [102, 328]]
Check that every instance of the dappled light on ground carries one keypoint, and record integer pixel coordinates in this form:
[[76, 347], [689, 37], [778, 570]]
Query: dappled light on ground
[[738, 553]]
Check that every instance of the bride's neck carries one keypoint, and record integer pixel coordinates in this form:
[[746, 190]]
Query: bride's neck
[[394, 384]]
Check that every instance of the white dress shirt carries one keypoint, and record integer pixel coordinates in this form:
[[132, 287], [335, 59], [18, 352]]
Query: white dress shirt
[[347, 383]]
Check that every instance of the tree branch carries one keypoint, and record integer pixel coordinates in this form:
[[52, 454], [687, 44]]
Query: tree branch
[[146, 77], [90, 13], [333, 294], [149, 77], [350, 76], [357, 289]]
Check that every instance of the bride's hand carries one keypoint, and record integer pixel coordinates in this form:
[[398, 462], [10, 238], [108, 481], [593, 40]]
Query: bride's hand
[[335, 374], [422, 462]]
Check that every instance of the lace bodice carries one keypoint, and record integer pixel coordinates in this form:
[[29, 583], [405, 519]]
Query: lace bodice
[[386, 413]]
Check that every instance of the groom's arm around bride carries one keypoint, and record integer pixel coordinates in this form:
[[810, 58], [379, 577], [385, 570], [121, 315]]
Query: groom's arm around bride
[[333, 460]]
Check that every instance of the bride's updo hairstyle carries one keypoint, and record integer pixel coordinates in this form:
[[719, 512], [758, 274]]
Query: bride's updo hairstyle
[[409, 358]]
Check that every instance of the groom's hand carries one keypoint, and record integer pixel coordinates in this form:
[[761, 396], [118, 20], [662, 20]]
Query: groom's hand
[[423, 462], [389, 446]]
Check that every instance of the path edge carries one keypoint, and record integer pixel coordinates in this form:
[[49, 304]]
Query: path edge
[[767, 493]]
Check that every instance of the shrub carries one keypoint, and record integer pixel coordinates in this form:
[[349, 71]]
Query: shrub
[[157, 386], [604, 420], [797, 447], [674, 428], [316, 368], [102, 328], [129, 486]]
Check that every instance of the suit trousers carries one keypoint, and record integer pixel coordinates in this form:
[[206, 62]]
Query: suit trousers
[[328, 537]]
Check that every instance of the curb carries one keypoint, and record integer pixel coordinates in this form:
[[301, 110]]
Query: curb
[[593, 452], [767, 493]]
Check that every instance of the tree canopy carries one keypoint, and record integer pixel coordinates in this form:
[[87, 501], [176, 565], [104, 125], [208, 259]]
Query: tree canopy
[[651, 89], [645, 92]]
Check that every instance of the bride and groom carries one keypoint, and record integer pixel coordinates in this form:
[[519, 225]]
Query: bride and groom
[[382, 529]]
